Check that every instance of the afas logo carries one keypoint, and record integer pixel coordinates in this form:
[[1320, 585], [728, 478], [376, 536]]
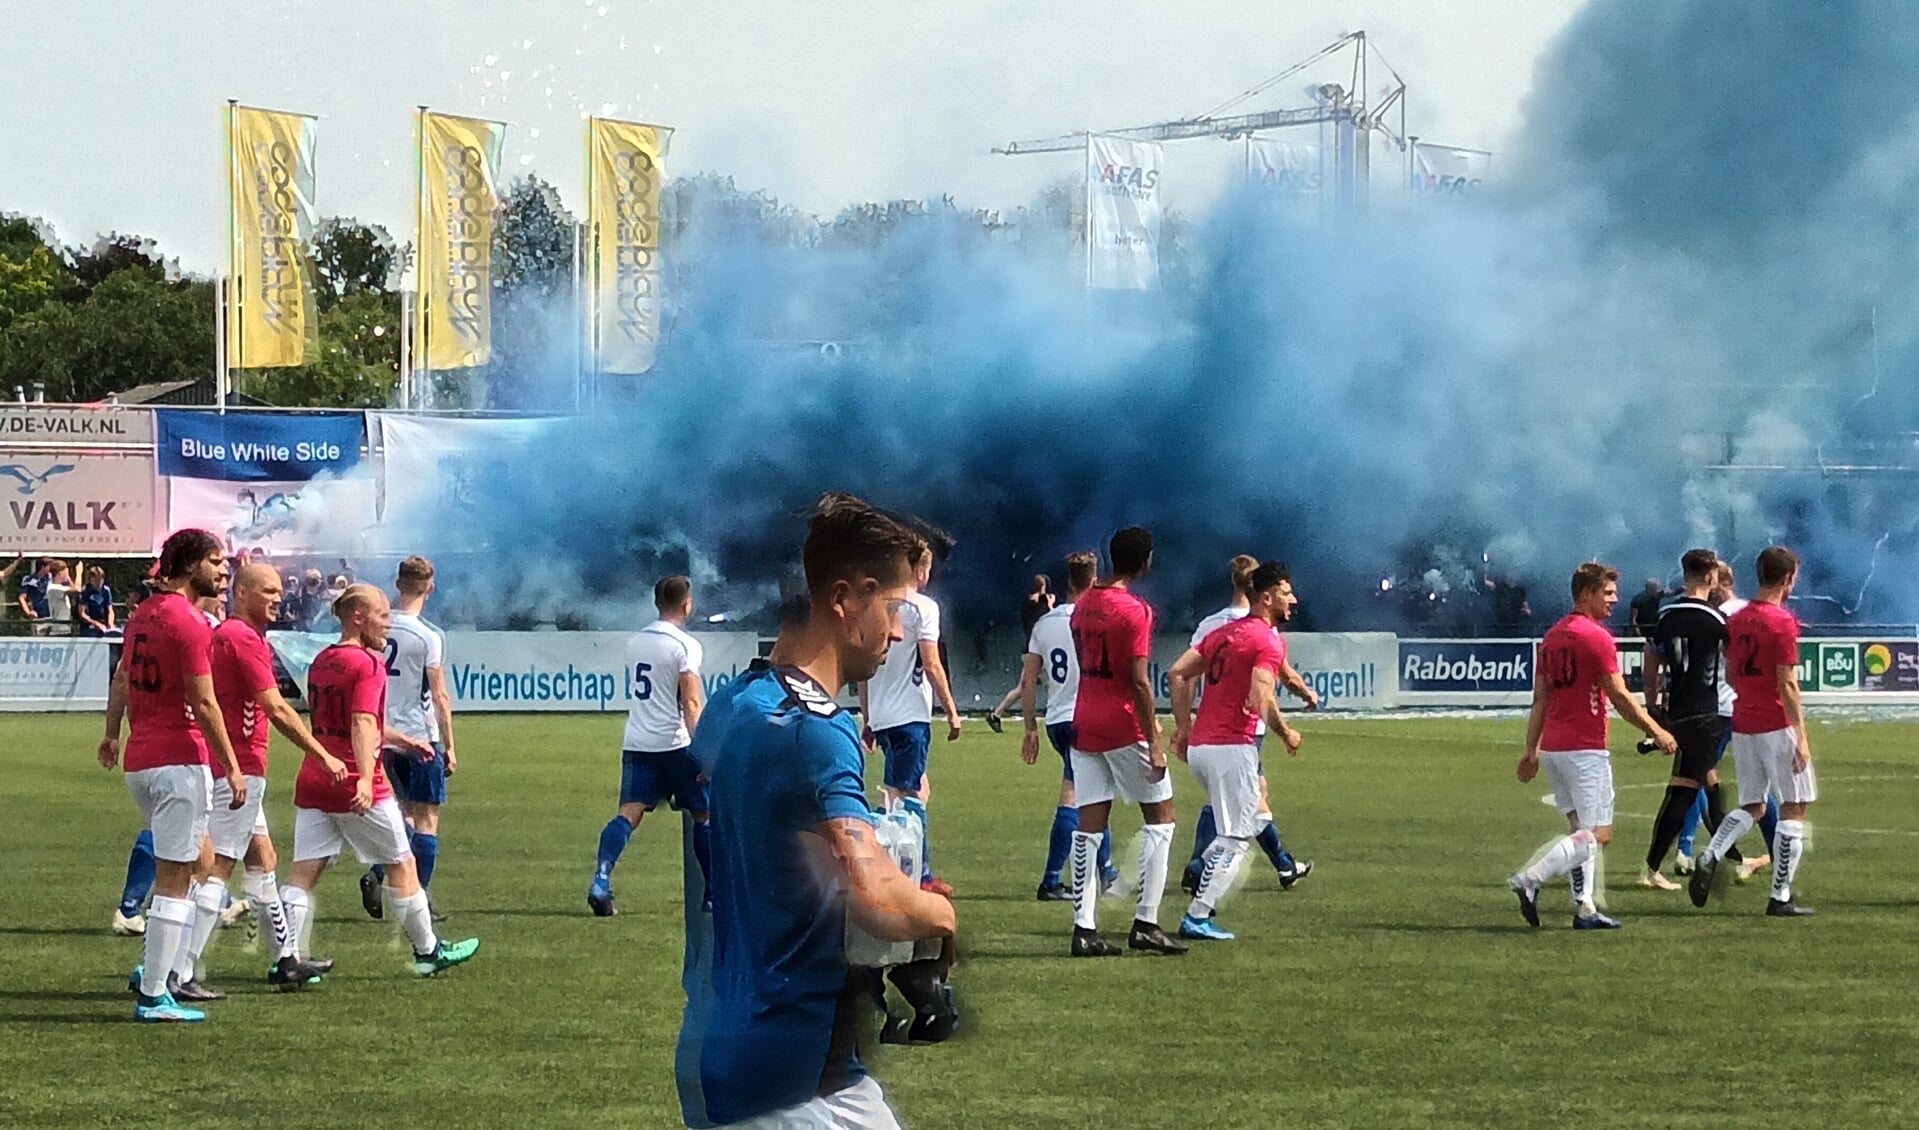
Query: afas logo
[[1130, 180]]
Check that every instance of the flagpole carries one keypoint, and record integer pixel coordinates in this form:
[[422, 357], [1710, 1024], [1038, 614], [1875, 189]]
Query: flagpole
[[222, 375], [417, 394]]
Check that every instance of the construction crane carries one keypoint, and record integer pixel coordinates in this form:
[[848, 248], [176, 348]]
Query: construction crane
[[1344, 106]]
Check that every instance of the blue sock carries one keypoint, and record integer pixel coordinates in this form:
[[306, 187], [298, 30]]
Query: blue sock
[[141, 870], [1204, 832], [1106, 867], [703, 852], [1268, 840], [379, 872], [1695, 816], [1060, 844], [917, 810], [613, 839], [1769, 823], [426, 852]]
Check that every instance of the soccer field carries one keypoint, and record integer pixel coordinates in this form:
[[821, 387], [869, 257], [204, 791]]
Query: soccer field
[[1397, 986]]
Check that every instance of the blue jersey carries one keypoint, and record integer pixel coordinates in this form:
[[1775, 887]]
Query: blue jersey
[[97, 602], [34, 587], [781, 1025]]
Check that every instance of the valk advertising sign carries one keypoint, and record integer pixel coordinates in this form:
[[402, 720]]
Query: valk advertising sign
[[42, 425], [76, 503]]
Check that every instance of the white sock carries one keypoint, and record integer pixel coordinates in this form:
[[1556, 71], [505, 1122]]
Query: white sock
[[1565, 854], [1585, 884], [299, 909], [416, 920], [168, 920], [1155, 845], [1789, 844], [208, 894], [263, 895], [1223, 858], [1736, 824], [1086, 880]]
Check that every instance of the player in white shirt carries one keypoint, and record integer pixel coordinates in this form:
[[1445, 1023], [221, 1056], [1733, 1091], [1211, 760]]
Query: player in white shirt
[[1728, 602], [664, 688], [898, 706], [1050, 654], [418, 708], [1240, 572]]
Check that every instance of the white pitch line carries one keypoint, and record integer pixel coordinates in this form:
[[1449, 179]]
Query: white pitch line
[[1825, 781], [1817, 827]]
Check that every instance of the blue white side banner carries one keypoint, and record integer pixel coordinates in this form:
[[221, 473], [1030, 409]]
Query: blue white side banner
[[258, 446]]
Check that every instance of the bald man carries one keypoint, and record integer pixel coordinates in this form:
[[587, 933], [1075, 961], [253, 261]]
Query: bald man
[[249, 692]]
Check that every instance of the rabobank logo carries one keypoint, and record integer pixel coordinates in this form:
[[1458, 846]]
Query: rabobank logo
[[1465, 665]]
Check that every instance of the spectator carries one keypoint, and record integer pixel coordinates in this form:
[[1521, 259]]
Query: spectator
[[312, 601], [323, 620], [95, 606], [1038, 603], [61, 594], [289, 618], [34, 603], [1645, 609]]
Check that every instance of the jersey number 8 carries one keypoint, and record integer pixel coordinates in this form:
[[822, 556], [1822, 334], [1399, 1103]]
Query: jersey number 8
[[1059, 668]]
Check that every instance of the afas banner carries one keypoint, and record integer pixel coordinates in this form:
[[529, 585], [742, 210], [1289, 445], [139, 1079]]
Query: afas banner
[[1122, 213]]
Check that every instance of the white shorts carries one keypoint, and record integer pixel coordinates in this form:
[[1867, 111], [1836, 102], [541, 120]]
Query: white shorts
[[377, 835], [1118, 774], [859, 1107], [1230, 775], [1582, 784], [174, 799], [1764, 765], [232, 829]]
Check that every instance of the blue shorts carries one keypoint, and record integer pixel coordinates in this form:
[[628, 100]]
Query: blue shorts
[[649, 778], [415, 781], [905, 750], [1061, 734]]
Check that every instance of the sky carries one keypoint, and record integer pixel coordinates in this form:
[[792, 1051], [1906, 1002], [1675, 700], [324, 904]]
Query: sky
[[113, 108]]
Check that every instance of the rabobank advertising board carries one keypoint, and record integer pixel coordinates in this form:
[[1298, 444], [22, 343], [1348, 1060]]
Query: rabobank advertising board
[[1447, 669]]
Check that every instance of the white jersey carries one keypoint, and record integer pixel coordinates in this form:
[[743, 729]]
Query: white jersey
[[898, 692], [414, 646], [1727, 696], [1052, 641], [656, 656]]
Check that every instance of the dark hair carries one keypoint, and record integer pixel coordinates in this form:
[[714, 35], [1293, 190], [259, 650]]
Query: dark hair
[[1082, 569], [182, 553], [1591, 577], [1130, 551], [1265, 576], [1040, 583], [1776, 563], [1240, 571], [671, 592], [1699, 565], [849, 540], [415, 572]]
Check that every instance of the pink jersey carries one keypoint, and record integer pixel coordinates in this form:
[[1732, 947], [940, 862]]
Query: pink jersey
[[1761, 638], [1233, 653], [242, 669], [1575, 659], [345, 680], [167, 642], [1111, 629]]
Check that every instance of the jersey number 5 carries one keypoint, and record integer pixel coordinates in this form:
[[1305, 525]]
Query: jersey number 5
[[642, 683]]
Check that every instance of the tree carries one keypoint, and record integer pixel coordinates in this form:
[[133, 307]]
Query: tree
[[351, 258], [132, 328], [535, 321], [356, 364], [31, 272]]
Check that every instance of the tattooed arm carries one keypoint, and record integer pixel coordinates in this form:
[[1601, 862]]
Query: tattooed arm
[[880, 899]]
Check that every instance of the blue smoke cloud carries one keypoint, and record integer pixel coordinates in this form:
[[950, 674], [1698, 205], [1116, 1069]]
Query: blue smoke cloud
[[1686, 311]]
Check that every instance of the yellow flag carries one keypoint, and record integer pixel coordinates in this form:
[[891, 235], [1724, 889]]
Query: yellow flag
[[270, 310], [625, 165], [459, 166]]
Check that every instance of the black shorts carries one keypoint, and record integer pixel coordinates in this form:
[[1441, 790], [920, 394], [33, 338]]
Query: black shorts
[[1700, 741]]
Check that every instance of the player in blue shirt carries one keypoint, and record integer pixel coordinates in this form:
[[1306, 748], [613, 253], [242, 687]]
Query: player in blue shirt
[[774, 1021], [96, 603]]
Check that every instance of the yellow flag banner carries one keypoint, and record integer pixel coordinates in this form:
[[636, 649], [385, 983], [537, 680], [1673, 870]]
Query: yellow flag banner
[[624, 169], [459, 167], [270, 311]]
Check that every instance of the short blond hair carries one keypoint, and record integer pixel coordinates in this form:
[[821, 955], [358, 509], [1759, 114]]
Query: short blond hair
[[355, 598]]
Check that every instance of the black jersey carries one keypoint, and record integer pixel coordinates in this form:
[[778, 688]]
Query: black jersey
[[1691, 637]]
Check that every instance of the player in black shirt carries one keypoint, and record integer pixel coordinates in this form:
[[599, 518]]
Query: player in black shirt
[[1687, 645]]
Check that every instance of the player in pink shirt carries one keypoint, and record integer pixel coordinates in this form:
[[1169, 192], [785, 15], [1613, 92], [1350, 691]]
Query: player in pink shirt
[[346, 694], [1769, 746], [164, 688], [249, 696], [1574, 674], [1242, 663], [1116, 747]]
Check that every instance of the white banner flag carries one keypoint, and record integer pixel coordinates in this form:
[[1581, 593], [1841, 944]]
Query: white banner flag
[[1443, 170], [1283, 168], [440, 475], [1122, 213]]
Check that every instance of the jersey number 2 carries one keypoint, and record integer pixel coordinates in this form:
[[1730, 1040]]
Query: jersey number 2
[[392, 657]]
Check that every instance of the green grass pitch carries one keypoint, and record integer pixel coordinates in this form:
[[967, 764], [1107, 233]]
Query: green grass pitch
[[1397, 987]]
